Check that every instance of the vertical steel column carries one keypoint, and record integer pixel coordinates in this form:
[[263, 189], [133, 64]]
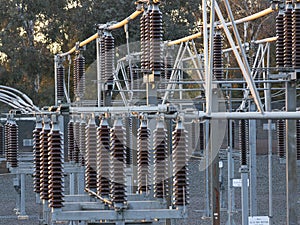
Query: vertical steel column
[[22, 202], [55, 79], [244, 175], [253, 170], [291, 155]]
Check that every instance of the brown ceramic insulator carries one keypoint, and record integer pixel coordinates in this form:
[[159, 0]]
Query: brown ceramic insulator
[[103, 158], [60, 72], [156, 40], [109, 45], [76, 141], [281, 138], [143, 158], [82, 144], [91, 155], [37, 157], [244, 141], [71, 144], [102, 59], [6, 131], [13, 146], [280, 40], [233, 135], [180, 166], [127, 122], [118, 163], [161, 165], [296, 37], [142, 39], [147, 40], [169, 62], [56, 171], [218, 57], [44, 177], [75, 75], [288, 37], [80, 76]]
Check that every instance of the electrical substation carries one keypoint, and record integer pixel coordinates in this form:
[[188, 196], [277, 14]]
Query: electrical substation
[[123, 157]]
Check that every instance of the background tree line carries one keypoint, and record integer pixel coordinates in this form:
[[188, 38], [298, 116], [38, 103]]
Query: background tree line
[[32, 31]]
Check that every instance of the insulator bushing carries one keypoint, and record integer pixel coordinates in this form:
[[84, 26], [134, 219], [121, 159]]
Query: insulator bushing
[[37, 156], [109, 45], [60, 77], [147, 44], [71, 144], [296, 37], [91, 155], [244, 141], [169, 62], [2, 142], [56, 172], [118, 162], [127, 122], [76, 130], [281, 138], [202, 137], [44, 178], [156, 40], [218, 57], [280, 40], [180, 166], [288, 36], [13, 145], [82, 144], [298, 139], [143, 158], [6, 132], [79, 76], [142, 40], [103, 158], [102, 60], [161, 160]]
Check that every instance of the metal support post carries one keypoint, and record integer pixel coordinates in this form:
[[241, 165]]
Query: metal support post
[[80, 181], [151, 87], [99, 77], [55, 79], [230, 172], [244, 175], [22, 215], [291, 156], [72, 183], [253, 170]]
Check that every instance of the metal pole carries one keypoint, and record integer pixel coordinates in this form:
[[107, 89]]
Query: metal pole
[[55, 79], [22, 202], [291, 156], [207, 195], [269, 109], [253, 171], [244, 174]]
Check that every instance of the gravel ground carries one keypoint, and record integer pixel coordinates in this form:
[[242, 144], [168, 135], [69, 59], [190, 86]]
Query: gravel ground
[[196, 209]]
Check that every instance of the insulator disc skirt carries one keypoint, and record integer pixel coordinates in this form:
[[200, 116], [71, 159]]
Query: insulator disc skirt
[[109, 45], [60, 82], [143, 158], [118, 163], [218, 57], [37, 159], [180, 166], [103, 159], [161, 161], [44, 178], [13, 146], [280, 40], [56, 171], [244, 141], [288, 38], [281, 138], [91, 155], [71, 144], [296, 38]]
